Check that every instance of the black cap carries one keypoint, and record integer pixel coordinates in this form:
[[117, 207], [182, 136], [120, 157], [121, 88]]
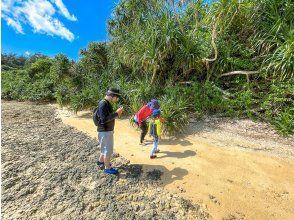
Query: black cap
[[113, 92]]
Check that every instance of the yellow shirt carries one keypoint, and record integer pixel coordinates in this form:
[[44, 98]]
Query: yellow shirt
[[154, 127]]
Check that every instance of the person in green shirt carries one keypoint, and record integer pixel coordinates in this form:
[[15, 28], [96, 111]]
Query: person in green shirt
[[154, 129]]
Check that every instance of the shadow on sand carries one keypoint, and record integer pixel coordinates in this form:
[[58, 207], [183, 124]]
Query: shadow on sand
[[150, 173], [186, 153], [170, 141], [175, 141]]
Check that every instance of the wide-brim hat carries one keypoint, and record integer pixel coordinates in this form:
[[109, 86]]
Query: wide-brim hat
[[113, 92]]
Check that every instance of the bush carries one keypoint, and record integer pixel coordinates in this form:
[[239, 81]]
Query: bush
[[284, 121], [41, 90], [279, 104], [184, 50], [85, 99], [19, 85], [208, 98], [14, 84], [176, 110]]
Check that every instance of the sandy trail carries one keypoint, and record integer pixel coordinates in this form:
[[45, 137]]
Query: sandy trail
[[232, 183]]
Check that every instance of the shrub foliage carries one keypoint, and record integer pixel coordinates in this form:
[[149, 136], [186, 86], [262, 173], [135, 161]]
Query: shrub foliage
[[233, 58]]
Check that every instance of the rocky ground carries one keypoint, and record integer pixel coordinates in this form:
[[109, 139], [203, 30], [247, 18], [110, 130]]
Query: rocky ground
[[49, 172]]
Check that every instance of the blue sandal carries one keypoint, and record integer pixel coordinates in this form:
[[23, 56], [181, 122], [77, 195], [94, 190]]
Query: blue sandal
[[111, 171]]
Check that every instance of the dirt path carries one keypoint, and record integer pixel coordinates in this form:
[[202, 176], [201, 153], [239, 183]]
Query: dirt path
[[231, 182]]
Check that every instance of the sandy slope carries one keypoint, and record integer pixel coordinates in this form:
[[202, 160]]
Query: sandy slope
[[231, 182]]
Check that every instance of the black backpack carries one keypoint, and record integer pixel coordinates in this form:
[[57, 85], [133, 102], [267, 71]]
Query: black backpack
[[96, 118]]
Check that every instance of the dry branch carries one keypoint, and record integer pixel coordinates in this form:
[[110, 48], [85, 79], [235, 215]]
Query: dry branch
[[239, 72], [213, 37]]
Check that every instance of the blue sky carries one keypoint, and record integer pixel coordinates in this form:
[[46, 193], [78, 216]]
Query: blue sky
[[53, 26]]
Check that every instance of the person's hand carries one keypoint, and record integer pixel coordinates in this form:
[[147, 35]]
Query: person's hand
[[162, 119], [119, 111]]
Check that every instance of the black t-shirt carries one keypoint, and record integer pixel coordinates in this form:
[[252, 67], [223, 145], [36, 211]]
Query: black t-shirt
[[106, 115]]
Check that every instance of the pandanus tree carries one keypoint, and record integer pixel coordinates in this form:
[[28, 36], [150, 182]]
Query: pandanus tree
[[158, 40], [274, 37]]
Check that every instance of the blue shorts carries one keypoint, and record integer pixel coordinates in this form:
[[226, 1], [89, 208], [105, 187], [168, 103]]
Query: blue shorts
[[106, 142]]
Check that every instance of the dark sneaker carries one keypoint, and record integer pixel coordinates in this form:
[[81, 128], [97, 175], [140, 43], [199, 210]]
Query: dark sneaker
[[100, 164], [153, 156], [111, 171]]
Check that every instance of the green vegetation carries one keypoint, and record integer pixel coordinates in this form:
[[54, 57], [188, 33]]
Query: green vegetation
[[233, 58]]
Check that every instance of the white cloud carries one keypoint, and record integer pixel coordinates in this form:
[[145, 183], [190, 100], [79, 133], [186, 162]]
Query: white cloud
[[15, 24], [64, 10], [27, 53], [39, 14]]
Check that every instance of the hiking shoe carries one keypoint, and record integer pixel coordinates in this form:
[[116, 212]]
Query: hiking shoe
[[153, 156], [157, 151], [111, 171], [100, 164]]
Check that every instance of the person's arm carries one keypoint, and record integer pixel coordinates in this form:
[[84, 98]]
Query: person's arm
[[104, 113], [162, 119]]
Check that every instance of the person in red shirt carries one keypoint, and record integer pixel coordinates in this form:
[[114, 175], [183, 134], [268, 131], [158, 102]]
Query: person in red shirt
[[142, 115]]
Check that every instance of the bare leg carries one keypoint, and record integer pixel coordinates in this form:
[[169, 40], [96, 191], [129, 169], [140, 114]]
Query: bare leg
[[107, 162], [101, 158]]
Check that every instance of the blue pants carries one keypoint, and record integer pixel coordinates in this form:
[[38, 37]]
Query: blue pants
[[155, 145]]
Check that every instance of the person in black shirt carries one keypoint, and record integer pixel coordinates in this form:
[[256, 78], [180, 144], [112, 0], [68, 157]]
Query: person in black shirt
[[105, 128]]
